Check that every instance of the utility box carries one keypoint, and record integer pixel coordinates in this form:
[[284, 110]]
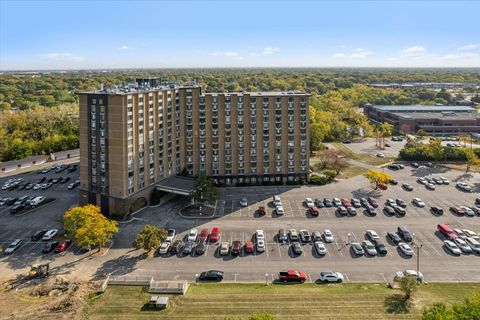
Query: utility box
[[158, 302]]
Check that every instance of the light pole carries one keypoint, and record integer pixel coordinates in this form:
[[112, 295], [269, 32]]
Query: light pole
[[266, 279], [196, 278], [349, 235], [418, 246]]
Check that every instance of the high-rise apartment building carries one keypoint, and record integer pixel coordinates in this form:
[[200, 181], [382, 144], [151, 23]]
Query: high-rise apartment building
[[132, 138]]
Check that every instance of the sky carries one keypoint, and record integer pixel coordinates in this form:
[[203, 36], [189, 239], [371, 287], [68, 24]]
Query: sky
[[37, 35]]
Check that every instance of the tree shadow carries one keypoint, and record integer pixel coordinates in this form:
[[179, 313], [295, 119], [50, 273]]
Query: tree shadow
[[397, 304], [123, 264]]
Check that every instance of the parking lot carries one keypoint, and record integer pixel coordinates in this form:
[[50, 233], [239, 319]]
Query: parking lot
[[240, 223]]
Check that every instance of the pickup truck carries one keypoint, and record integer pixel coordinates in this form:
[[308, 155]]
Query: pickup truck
[[292, 276]]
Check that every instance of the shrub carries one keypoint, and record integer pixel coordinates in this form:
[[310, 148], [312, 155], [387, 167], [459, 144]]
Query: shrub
[[329, 173], [318, 180]]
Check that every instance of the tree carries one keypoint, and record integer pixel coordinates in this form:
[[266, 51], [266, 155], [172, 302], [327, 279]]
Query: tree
[[150, 238], [316, 136], [435, 150], [438, 311], [261, 316], [408, 285], [339, 164], [466, 310], [204, 188], [89, 226], [471, 158], [421, 133], [377, 177]]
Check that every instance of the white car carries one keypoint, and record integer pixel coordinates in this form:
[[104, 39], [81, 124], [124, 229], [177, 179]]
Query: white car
[[320, 248], [469, 212], [391, 202], [192, 235], [279, 210], [224, 248], [452, 247], [13, 246], [260, 235], [37, 200], [369, 248], [463, 186], [3, 201], [460, 234], [380, 155], [49, 234], [277, 201], [471, 234], [243, 202], [444, 180], [474, 244], [421, 180], [331, 276], [463, 245], [170, 235], [405, 248], [328, 236], [337, 202], [372, 235], [418, 202], [410, 273], [261, 245], [309, 202], [293, 235], [164, 248]]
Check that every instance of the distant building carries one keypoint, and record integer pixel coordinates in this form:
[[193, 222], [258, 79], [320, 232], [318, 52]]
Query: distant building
[[138, 138], [435, 120]]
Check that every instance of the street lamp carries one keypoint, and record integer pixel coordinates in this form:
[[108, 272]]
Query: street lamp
[[349, 235], [196, 278], [266, 279], [418, 246]]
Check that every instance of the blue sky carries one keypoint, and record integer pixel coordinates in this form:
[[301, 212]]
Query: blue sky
[[131, 34]]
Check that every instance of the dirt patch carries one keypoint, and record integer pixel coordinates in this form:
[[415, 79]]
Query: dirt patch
[[50, 298]]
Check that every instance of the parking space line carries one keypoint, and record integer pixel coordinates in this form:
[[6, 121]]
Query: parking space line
[[279, 251], [34, 245], [339, 249]]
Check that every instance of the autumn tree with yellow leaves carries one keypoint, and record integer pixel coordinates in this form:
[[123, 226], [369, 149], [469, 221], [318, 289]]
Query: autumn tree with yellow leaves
[[377, 177], [89, 226]]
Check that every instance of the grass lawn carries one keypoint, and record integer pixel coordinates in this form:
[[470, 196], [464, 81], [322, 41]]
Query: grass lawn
[[362, 157], [308, 301], [351, 171]]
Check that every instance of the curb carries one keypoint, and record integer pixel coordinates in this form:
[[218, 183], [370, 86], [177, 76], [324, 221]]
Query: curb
[[196, 217]]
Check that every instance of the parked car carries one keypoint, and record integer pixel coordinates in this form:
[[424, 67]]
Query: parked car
[[370, 210], [430, 186], [444, 180], [277, 201], [261, 245], [211, 275], [369, 248], [380, 155], [201, 248], [215, 234], [390, 202], [36, 201], [293, 235], [282, 236], [407, 187], [164, 248], [342, 211], [381, 248], [394, 182], [457, 210], [401, 203], [320, 248], [404, 234], [357, 249], [176, 247], [452, 247], [356, 203], [236, 248], [18, 208], [471, 234], [203, 236], [394, 238], [373, 202], [389, 210], [292, 276], [418, 202], [62, 246], [405, 249], [304, 235], [463, 245], [49, 234], [243, 202], [279, 210], [261, 211], [436, 210], [188, 247], [316, 236], [309, 202], [49, 246], [372, 235], [346, 202], [351, 211], [463, 186], [296, 248], [249, 247], [331, 276], [468, 212], [400, 211], [327, 202], [328, 236], [170, 235], [192, 235], [474, 244], [225, 248], [313, 211], [12, 247], [337, 202], [409, 273], [38, 235], [319, 203]]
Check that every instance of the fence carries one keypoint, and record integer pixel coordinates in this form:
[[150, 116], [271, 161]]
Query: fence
[[171, 287]]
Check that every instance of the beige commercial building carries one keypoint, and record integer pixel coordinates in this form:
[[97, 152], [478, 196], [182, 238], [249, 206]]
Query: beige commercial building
[[133, 138]]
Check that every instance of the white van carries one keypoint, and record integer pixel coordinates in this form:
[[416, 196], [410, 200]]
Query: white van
[[37, 200], [277, 201]]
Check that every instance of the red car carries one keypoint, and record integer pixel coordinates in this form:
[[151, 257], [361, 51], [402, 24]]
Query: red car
[[458, 211], [249, 248], [373, 202], [346, 202], [313, 211], [215, 235], [62, 246], [203, 235]]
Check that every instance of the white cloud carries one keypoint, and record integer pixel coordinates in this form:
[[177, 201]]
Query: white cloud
[[359, 53], [413, 51], [265, 51], [468, 47], [224, 54], [124, 47], [63, 56], [239, 58], [456, 56]]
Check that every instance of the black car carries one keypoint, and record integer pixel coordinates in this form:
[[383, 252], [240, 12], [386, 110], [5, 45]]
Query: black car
[[17, 208], [370, 211], [364, 202], [83, 250], [50, 246], [29, 186], [381, 248], [65, 180], [393, 182], [319, 203], [72, 168], [327, 202], [282, 236], [351, 211], [393, 167], [21, 186], [10, 201], [415, 165], [188, 248], [393, 238], [401, 203], [342, 211], [42, 180], [176, 247], [201, 248], [477, 201], [212, 275], [407, 187], [437, 211], [400, 211], [38, 235], [404, 234], [389, 211]]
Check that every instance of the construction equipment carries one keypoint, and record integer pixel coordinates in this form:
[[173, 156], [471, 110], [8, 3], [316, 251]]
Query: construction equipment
[[39, 271]]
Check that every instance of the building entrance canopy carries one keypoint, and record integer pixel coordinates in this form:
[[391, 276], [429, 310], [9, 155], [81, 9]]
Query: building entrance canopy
[[177, 185]]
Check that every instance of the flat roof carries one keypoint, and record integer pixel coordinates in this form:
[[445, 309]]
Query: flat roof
[[177, 184], [438, 115], [421, 108]]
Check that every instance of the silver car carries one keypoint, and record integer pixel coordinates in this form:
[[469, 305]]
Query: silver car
[[320, 248], [369, 248], [463, 245]]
